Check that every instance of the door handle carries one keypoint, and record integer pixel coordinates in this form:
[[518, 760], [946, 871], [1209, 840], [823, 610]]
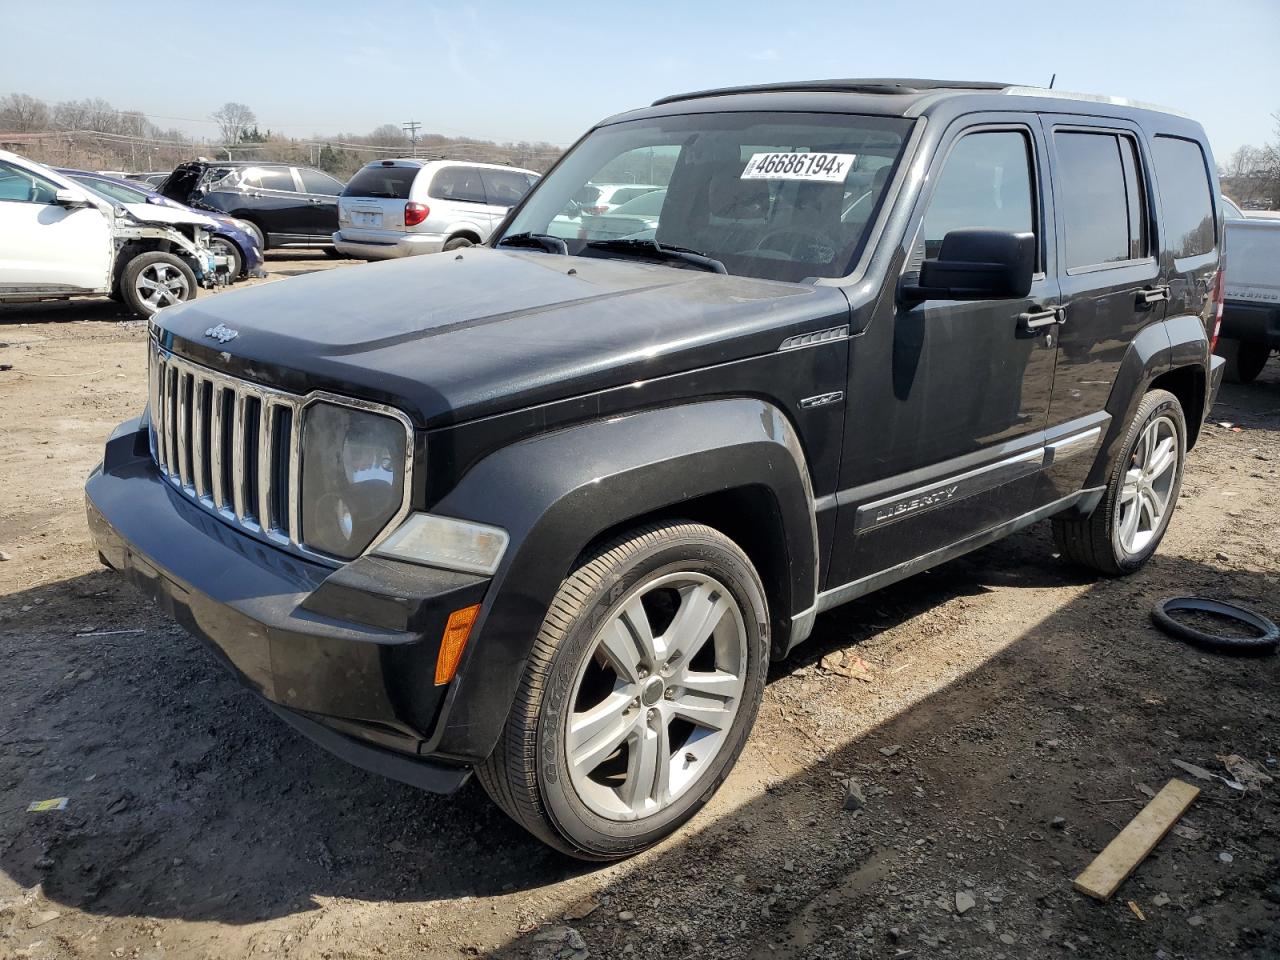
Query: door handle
[[1035, 319], [314, 200], [1152, 295]]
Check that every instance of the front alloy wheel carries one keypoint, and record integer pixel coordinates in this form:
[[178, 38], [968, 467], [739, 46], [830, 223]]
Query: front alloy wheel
[[639, 693], [656, 698]]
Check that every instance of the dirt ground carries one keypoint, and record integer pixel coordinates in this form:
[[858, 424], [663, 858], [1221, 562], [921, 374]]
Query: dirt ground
[[974, 705]]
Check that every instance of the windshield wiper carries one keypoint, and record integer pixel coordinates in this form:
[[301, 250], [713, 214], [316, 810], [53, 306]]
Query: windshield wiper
[[541, 241], [660, 251]]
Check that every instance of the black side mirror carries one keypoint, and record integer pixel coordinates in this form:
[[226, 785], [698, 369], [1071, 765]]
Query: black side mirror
[[976, 265]]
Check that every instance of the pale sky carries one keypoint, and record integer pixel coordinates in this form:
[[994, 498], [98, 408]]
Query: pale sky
[[547, 71]]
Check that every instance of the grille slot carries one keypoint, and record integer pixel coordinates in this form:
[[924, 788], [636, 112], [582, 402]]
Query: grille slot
[[235, 447], [227, 444]]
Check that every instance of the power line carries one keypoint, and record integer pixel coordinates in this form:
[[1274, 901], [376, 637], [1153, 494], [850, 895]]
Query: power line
[[411, 130]]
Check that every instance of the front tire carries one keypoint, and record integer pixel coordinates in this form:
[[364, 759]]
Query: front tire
[[639, 694], [1126, 527], [235, 262], [1244, 360], [154, 280]]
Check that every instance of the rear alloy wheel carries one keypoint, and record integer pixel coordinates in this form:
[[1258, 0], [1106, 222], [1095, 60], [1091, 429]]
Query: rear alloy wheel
[[1244, 360], [638, 697], [1126, 527], [156, 280]]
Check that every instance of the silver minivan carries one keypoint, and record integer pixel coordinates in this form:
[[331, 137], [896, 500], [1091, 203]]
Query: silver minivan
[[396, 208]]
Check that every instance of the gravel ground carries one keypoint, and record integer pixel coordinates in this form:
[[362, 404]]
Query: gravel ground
[[1002, 717]]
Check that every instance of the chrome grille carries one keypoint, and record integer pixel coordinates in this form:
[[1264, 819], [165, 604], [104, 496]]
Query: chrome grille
[[232, 446]]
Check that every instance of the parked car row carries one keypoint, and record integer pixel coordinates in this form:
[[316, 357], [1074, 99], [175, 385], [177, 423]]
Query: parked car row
[[60, 238]]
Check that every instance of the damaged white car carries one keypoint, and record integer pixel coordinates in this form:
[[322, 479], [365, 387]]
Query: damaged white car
[[58, 240]]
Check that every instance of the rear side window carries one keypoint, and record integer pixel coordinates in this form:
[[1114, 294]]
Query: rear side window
[[985, 183], [387, 183], [458, 183], [1102, 201], [1186, 196], [505, 188], [270, 180], [313, 181]]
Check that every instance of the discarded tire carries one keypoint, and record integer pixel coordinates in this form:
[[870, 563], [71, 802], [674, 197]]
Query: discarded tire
[[1265, 642]]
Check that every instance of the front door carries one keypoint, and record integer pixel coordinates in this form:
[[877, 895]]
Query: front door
[[46, 246], [947, 399], [1112, 282]]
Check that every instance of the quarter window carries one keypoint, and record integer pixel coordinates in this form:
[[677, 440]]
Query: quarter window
[[985, 183], [458, 183], [1187, 200], [1102, 201]]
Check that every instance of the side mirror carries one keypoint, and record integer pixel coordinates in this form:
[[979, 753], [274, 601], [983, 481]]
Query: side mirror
[[976, 265], [70, 199]]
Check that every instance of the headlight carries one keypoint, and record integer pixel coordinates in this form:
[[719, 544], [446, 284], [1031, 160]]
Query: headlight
[[353, 467]]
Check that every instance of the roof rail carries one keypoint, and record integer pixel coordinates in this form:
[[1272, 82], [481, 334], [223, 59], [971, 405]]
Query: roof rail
[[880, 85], [1024, 91]]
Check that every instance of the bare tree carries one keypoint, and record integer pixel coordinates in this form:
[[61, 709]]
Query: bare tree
[[233, 120], [23, 113]]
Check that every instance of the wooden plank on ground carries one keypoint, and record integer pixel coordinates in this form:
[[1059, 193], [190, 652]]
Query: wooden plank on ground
[[1122, 855]]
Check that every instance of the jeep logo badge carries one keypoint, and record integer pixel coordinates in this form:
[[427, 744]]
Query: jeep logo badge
[[222, 334]]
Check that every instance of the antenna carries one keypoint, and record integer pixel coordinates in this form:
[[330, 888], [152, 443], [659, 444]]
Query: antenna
[[1051, 79]]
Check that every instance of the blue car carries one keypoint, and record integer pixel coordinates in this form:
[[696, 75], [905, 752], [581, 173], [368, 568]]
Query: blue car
[[231, 238]]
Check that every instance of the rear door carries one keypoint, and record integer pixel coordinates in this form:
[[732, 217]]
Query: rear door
[[274, 203], [1113, 284], [371, 208], [45, 246], [321, 193]]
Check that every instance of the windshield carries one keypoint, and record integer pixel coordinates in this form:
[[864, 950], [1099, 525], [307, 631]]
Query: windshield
[[112, 191], [782, 196]]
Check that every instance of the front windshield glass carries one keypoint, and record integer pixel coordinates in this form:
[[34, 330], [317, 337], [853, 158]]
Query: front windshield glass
[[782, 196]]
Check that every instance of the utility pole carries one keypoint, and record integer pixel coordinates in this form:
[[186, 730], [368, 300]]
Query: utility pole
[[411, 131]]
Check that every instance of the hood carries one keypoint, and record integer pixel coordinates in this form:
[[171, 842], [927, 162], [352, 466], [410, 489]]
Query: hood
[[450, 337], [157, 213]]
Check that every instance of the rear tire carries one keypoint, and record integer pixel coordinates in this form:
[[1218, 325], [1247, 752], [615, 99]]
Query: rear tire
[[600, 757], [333, 253], [154, 280], [1113, 540], [457, 243], [1244, 360]]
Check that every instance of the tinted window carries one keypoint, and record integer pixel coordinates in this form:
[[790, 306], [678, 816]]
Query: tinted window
[[269, 179], [505, 188], [389, 183], [458, 183], [1101, 199], [313, 181], [24, 186], [985, 183], [1184, 188]]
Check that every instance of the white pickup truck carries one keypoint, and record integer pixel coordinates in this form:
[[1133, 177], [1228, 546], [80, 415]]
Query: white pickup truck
[[1251, 309]]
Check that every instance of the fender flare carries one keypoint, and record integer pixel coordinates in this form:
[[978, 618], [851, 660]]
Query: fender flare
[[555, 493], [1175, 343]]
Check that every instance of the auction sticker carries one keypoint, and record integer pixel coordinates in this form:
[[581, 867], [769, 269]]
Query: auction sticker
[[819, 167]]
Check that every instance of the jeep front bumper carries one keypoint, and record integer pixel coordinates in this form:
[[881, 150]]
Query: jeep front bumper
[[346, 655]]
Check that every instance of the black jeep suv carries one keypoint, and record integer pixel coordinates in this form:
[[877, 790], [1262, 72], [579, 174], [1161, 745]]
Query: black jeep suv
[[544, 509], [286, 206]]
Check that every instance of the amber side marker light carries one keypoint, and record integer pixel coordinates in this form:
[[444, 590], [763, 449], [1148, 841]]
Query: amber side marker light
[[456, 632]]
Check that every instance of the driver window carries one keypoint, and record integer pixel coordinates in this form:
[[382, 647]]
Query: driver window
[[985, 183]]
